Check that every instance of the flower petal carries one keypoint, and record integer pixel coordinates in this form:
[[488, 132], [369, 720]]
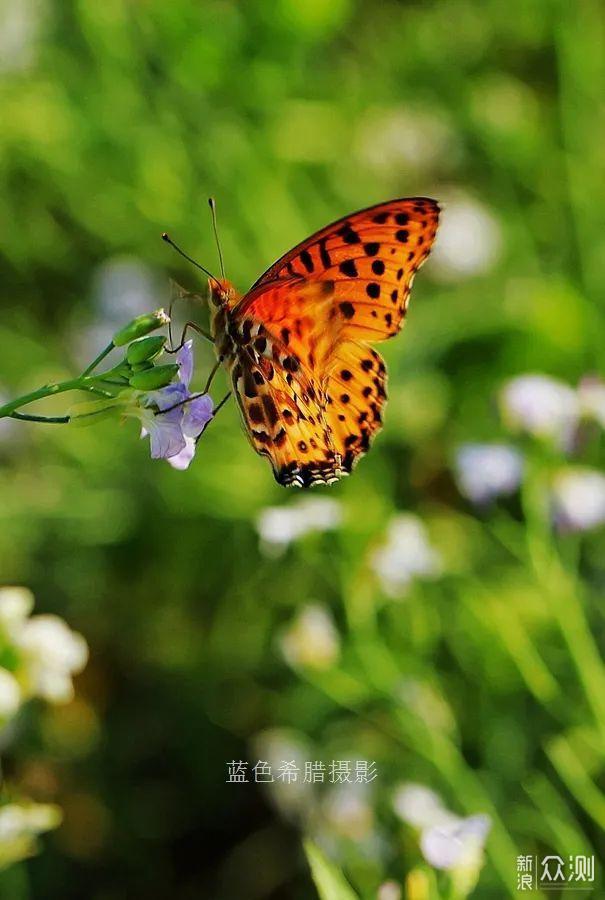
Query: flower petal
[[182, 459], [197, 415], [165, 434], [578, 499], [406, 554], [457, 843], [541, 406], [167, 396], [487, 471], [420, 806], [184, 359]]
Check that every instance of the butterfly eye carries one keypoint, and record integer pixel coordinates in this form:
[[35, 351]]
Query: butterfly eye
[[222, 293], [218, 296]]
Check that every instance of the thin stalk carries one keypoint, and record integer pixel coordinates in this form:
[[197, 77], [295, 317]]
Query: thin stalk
[[50, 390], [98, 359], [563, 593], [54, 420]]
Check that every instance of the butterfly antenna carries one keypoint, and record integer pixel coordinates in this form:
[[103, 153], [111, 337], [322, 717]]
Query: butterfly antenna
[[212, 205], [168, 239]]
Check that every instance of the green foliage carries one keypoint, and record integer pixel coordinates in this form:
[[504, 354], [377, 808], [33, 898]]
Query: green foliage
[[330, 883]]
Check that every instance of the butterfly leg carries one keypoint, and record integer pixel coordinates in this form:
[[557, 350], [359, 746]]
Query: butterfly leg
[[213, 372], [222, 403], [218, 407], [180, 293], [186, 327], [209, 381]]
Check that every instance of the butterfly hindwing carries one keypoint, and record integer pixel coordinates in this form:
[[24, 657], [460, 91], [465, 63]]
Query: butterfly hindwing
[[356, 393], [283, 409]]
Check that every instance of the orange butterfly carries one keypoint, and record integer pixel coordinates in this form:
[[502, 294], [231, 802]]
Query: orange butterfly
[[297, 345]]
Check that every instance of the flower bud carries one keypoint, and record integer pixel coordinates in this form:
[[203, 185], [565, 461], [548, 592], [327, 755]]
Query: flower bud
[[145, 348], [152, 379], [140, 326], [142, 366]]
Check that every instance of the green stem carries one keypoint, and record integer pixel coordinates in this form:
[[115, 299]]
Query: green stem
[[49, 390], [55, 420], [564, 595], [98, 359]]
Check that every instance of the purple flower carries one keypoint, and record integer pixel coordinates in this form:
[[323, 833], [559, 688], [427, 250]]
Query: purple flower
[[177, 421], [542, 407], [458, 843], [487, 471]]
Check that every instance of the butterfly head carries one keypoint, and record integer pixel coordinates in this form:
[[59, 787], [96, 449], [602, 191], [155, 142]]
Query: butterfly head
[[222, 293]]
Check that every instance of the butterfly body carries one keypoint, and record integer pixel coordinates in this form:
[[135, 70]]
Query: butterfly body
[[297, 346]]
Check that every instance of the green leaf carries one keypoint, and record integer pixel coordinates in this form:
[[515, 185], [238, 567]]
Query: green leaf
[[329, 880]]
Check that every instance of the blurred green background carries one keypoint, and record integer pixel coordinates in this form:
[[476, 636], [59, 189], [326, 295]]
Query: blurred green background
[[119, 119]]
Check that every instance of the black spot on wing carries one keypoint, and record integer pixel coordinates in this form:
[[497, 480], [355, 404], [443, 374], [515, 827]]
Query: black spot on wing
[[324, 255], [306, 260], [349, 235], [348, 268], [270, 409], [256, 414]]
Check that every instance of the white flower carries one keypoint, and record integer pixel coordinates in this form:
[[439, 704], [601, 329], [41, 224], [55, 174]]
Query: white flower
[[52, 653], [468, 241], [541, 406], [487, 471], [16, 603], [578, 499], [401, 137], [348, 811], [389, 890], [19, 29], [406, 554], [279, 526], [457, 844], [311, 639], [10, 694], [420, 807], [17, 820], [285, 749], [19, 827], [591, 397], [447, 841]]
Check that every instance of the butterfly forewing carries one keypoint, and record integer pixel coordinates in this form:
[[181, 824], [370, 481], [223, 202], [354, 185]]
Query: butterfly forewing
[[370, 258]]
